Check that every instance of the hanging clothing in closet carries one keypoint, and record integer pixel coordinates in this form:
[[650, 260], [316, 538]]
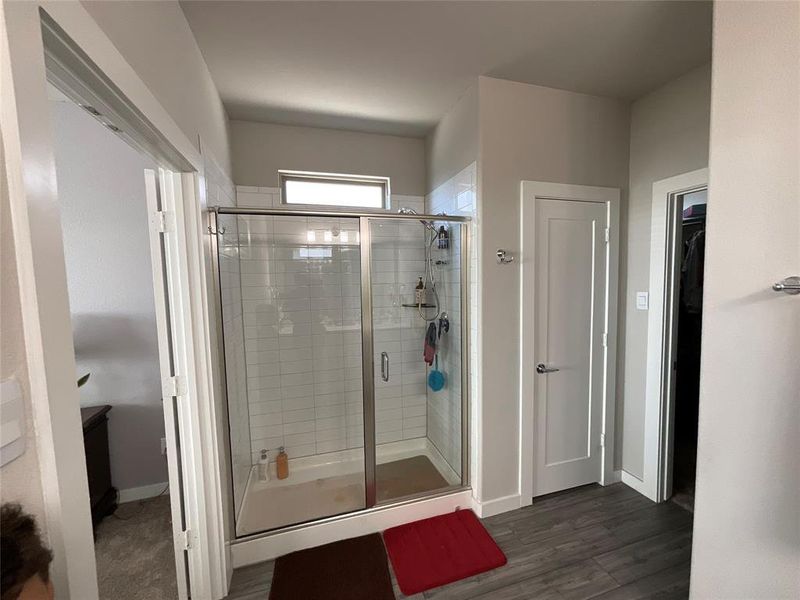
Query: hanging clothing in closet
[[692, 273], [687, 372]]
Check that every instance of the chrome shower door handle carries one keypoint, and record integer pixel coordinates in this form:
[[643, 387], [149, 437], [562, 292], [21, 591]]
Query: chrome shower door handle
[[542, 369], [385, 366]]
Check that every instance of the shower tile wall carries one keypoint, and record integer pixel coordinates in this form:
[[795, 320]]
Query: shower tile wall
[[301, 303], [457, 196], [398, 260]]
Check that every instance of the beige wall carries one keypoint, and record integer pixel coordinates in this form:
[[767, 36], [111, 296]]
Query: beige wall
[[18, 479], [528, 132], [669, 136], [155, 39], [453, 144], [747, 520], [261, 149]]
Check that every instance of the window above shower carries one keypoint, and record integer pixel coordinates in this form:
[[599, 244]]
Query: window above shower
[[334, 190]]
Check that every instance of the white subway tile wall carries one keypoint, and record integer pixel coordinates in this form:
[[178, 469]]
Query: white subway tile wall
[[398, 260], [301, 315], [457, 196], [301, 305]]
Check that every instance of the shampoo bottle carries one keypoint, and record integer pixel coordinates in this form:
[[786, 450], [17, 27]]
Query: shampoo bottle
[[263, 466], [419, 292], [443, 238], [282, 464]]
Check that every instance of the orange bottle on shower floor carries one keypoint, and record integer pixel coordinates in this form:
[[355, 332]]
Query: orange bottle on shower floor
[[282, 464]]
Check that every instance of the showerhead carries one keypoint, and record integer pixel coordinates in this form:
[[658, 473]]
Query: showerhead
[[410, 211]]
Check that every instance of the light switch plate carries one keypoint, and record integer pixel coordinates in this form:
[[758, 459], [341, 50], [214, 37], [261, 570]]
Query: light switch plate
[[642, 300]]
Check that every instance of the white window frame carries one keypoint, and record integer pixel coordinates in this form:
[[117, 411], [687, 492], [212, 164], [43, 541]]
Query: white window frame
[[384, 182]]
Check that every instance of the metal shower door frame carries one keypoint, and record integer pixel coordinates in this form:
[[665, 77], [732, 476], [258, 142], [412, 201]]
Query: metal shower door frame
[[368, 346], [367, 339]]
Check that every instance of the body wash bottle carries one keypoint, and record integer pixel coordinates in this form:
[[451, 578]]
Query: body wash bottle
[[419, 292], [282, 464]]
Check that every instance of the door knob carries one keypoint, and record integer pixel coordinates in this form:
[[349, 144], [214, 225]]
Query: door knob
[[790, 285], [540, 368]]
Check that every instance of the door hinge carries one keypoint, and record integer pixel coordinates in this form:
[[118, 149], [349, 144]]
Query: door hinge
[[602, 440], [186, 539], [173, 386], [163, 221], [607, 235], [605, 340]]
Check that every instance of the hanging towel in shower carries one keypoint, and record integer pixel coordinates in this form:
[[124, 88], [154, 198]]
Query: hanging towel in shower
[[429, 352]]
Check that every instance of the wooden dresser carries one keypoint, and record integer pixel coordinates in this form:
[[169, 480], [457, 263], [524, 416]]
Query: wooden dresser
[[102, 494]]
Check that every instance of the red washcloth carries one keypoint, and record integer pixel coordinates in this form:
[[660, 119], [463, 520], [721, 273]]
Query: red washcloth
[[429, 348]]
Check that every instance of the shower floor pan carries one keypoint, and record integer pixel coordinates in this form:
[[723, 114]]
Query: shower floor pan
[[331, 484]]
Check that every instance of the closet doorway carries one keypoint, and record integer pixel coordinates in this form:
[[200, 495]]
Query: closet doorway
[[674, 336]]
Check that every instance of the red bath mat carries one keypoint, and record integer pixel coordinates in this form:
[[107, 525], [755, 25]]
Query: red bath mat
[[432, 552]]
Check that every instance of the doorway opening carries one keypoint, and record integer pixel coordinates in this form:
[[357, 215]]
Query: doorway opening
[[687, 312], [104, 218]]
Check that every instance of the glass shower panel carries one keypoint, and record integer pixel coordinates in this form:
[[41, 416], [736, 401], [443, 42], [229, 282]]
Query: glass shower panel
[[230, 287], [416, 295], [296, 394]]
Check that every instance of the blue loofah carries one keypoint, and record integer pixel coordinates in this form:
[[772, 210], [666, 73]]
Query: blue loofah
[[436, 378]]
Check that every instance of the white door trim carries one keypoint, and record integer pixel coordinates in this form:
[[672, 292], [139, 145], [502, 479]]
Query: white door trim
[[38, 244], [529, 191], [659, 411]]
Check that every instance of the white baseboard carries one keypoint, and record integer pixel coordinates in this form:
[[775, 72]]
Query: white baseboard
[[633, 481], [489, 508], [142, 492]]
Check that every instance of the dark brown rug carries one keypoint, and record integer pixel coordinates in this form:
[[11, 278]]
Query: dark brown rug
[[354, 569], [407, 476]]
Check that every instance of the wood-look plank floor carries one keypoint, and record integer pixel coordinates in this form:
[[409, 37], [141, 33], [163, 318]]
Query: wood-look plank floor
[[609, 543]]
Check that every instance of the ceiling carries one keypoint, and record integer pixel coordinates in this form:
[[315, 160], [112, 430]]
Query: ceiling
[[397, 67]]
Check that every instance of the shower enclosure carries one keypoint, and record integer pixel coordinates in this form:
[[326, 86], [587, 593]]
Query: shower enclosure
[[336, 361]]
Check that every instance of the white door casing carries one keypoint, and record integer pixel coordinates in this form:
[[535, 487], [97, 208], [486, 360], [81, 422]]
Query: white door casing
[[170, 196], [164, 288], [661, 334], [568, 306]]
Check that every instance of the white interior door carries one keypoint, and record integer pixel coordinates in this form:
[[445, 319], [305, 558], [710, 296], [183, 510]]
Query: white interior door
[[160, 195], [568, 358]]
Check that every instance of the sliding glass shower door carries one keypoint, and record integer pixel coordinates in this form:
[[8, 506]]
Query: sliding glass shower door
[[342, 342], [291, 304], [415, 297]]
